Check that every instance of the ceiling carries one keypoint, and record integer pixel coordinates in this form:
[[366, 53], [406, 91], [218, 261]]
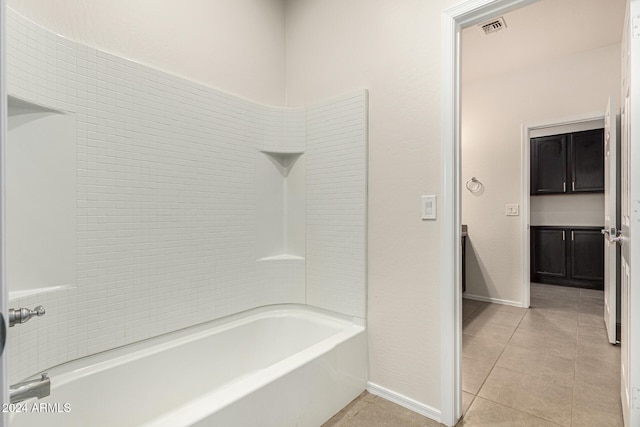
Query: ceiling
[[542, 31]]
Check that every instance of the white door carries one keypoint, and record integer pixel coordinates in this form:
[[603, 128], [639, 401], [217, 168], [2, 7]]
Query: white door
[[630, 218], [610, 229]]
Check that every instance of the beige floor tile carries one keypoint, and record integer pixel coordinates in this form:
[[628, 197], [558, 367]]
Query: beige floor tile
[[591, 306], [550, 341], [596, 406], [467, 400], [504, 316], [592, 320], [538, 362], [468, 308], [484, 413], [481, 348], [471, 304], [591, 370], [466, 314], [543, 320], [592, 293], [532, 372], [590, 418], [509, 308], [554, 342], [474, 372], [550, 322], [603, 382], [593, 335], [598, 355], [481, 326], [359, 404], [555, 303], [548, 298], [554, 289], [536, 395], [382, 413]]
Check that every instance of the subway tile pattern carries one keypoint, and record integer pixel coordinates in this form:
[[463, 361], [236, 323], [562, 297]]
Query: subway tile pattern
[[166, 215], [337, 204]]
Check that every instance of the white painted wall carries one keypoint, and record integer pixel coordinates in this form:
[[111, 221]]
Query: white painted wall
[[391, 48], [574, 209], [237, 45], [493, 112]]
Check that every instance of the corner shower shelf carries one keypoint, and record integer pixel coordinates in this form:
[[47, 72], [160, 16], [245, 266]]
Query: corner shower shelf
[[282, 160], [17, 106], [14, 295], [283, 257]]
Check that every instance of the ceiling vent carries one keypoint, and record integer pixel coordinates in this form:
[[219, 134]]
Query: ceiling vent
[[493, 25]]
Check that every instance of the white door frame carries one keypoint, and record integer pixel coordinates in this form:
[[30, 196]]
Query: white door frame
[[4, 383], [527, 128], [470, 12]]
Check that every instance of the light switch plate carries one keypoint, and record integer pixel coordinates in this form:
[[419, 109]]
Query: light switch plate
[[513, 210], [429, 207]]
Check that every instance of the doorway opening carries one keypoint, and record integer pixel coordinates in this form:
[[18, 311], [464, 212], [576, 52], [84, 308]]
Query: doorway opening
[[470, 14]]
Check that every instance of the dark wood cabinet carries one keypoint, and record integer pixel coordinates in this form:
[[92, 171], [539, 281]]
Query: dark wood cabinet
[[549, 164], [568, 163], [568, 256], [586, 161], [548, 251], [587, 255]]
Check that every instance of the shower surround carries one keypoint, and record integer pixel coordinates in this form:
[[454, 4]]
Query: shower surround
[[190, 204]]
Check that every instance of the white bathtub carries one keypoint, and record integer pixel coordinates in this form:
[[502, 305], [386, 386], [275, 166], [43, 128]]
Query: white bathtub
[[278, 366]]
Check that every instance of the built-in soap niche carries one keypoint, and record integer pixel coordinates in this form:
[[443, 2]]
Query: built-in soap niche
[[40, 199], [280, 205]]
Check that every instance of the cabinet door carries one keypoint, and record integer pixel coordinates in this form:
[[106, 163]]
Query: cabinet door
[[549, 164], [587, 161], [587, 255], [548, 247]]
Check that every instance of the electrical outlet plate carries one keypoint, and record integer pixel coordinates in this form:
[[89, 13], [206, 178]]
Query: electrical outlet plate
[[513, 210]]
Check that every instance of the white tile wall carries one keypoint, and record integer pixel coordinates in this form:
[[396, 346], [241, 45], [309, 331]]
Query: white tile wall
[[166, 191], [337, 204]]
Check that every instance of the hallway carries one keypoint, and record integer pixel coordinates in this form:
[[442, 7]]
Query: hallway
[[548, 366], [551, 362]]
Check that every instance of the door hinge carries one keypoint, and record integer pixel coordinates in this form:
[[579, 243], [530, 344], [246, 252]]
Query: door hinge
[[635, 23], [635, 398]]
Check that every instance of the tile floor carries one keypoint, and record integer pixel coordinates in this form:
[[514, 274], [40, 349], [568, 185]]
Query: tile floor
[[550, 365]]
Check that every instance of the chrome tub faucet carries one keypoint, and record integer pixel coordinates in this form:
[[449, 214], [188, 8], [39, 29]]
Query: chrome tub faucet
[[31, 388]]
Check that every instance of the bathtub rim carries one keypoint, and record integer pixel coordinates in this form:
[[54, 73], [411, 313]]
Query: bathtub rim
[[78, 368]]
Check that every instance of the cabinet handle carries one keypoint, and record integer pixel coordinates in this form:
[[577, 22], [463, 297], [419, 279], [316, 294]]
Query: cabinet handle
[[564, 187], [572, 235], [562, 234], [573, 186]]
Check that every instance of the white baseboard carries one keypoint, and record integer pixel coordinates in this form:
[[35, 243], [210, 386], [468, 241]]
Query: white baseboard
[[493, 300], [404, 401]]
